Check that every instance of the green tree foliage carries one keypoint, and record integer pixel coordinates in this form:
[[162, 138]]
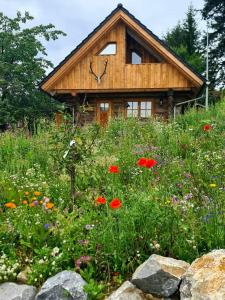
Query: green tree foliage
[[22, 66], [184, 39], [214, 12]]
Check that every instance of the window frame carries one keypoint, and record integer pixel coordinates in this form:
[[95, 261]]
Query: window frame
[[139, 108]]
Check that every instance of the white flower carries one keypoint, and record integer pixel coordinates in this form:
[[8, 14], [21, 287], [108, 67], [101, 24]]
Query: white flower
[[55, 251]]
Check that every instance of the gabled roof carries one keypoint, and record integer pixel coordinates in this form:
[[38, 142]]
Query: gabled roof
[[120, 8]]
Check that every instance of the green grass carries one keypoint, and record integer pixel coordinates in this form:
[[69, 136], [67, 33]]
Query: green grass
[[171, 209]]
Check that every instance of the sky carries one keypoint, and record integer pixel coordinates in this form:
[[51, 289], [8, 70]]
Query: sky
[[77, 18]]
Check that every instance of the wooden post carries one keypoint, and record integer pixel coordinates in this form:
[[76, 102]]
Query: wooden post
[[170, 103]]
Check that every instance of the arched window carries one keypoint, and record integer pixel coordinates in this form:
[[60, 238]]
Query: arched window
[[109, 49], [136, 59]]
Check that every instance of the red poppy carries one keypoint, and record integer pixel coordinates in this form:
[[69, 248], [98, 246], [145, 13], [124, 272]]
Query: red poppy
[[115, 203], [100, 200], [150, 163], [142, 162], [207, 127], [113, 169]]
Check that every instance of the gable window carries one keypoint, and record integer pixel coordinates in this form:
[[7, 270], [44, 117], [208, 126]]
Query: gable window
[[109, 49], [136, 59], [139, 109]]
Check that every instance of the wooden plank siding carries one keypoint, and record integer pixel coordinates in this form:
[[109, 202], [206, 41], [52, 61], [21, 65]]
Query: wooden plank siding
[[119, 75]]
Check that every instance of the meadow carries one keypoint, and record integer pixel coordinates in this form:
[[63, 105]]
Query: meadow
[[141, 188]]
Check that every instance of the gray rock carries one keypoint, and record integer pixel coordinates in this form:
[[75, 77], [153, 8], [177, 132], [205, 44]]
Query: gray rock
[[127, 291], [159, 276], [66, 285], [13, 291], [205, 279]]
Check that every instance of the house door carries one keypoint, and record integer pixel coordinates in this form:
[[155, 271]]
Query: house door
[[103, 113]]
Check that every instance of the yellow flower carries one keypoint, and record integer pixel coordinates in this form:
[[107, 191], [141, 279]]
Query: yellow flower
[[10, 205], [36, 193], [213, 185], [33, 199]]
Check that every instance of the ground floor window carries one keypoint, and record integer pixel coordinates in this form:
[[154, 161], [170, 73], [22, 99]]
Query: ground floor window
[[139, 109]]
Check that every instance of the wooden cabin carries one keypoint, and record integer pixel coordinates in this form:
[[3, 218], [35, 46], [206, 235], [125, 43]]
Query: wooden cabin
[[122, 69]]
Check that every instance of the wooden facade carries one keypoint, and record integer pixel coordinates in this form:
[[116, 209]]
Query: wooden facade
[[140, 72]]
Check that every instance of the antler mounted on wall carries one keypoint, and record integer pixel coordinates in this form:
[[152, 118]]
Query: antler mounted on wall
[[98, 77]]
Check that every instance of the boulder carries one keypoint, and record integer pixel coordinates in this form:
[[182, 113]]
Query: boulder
[[13, 291], [159, 276], [66, 285], [205, 279], [127, 291]]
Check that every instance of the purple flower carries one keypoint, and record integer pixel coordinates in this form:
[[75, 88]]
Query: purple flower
[[175, 199], [35, 202], [46, 226], [188, 196]]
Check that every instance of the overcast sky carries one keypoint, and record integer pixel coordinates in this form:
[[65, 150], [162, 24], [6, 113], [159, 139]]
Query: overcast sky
[[77, 18]]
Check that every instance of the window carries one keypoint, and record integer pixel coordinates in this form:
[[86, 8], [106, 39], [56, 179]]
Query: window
[[145, 109], [109, 49], [135, 58], [132, 109], [104, 106], [139, 109]]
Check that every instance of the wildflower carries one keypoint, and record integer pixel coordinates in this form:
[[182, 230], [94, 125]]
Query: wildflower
[[83, 242], [46, 199], [46, 226], [26, 193], [142, 162], [31, 204], [36, 193], [33, 199], [82, 260], [55, 251], [89, 226], [113, 169], [24, 202], [49, 205], [115, 203], [35, 203], [100, 200], [212, 185], [188, 196], [10, 205], [207, 127], [150, 163]]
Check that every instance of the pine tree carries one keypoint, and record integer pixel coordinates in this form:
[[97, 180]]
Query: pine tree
[[214, 13], [184, 39]]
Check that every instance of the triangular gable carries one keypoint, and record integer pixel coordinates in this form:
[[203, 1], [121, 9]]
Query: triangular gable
[[120, 13]]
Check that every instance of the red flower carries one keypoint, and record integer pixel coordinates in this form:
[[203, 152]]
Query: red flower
[[113, 169], [100, 200], [207, 127], [115, 203], [142, 162], [150, 163]]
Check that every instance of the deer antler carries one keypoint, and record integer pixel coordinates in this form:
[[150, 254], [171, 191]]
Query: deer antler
[[98, 77]]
